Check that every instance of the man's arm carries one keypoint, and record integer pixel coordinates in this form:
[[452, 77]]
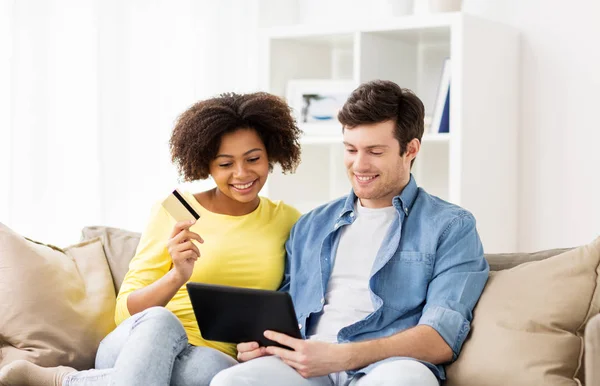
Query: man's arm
[[313, 358], [459, 276], [419, 342], [460, 273]]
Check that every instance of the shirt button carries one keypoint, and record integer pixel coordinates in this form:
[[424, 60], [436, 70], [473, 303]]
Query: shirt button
[[352, 214], [299, 326], [322, 300], [406, 211]]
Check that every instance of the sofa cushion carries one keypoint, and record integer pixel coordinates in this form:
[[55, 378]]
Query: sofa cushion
[[592, 351], [529, 323], [501, 261], [57, 305], [119, 247]]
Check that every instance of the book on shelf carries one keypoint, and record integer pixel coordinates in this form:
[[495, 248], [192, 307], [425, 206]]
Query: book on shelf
[[440, 121], [445, 121]]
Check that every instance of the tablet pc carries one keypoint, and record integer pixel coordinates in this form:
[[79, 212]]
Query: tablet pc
[[236, 315]]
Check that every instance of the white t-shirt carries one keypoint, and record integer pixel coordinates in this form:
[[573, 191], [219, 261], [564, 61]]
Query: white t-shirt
[[348, 298]]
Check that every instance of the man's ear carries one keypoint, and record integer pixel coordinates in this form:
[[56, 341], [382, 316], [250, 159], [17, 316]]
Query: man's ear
[[412, 149]]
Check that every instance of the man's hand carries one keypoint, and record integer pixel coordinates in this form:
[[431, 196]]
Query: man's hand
[[250, 350], [310, 358]]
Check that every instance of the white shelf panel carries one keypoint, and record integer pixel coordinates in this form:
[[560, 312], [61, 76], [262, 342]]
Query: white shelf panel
[[338, 139], [411, 22], [442, 137], [321, 139], [339, 41], [430, 36]]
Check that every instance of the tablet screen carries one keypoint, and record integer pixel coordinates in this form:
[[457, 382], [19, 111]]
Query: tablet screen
[[236, 315]]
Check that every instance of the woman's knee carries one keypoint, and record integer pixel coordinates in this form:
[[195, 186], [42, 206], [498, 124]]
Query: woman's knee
[[161, 322], [158, 319], [160, 315]]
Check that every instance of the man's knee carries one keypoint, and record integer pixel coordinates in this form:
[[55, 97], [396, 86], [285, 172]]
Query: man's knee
[[257, 372], [227, 377], [400, 373]]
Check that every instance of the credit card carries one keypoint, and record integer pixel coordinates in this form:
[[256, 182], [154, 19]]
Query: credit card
[[179, 208]]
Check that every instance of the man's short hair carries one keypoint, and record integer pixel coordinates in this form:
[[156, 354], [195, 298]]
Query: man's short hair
[[382, 100]]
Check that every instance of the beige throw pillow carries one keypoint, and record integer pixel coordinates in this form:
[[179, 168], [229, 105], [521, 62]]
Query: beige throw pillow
[[528, 325], [56, 305]]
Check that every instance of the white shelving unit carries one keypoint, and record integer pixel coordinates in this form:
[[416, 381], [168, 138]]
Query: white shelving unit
[[474, 166]]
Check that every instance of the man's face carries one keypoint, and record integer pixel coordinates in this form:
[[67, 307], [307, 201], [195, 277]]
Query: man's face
[[375, 167]]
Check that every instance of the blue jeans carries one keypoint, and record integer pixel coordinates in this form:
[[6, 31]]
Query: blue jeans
[[151, 348]]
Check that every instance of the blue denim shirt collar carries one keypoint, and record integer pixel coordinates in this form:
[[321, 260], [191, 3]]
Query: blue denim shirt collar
[[402, 202]]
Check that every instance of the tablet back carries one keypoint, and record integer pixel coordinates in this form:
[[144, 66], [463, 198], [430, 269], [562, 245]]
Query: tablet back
[[235, 315]]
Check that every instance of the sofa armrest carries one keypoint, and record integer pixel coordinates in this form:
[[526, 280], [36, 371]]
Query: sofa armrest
[[592, 351]]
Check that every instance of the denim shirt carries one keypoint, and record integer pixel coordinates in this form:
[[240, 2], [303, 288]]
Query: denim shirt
[[429, 270]]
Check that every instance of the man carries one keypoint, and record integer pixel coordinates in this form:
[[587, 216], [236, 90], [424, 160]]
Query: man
[[384, 280]]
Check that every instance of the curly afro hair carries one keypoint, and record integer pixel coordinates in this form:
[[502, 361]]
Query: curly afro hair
[[197, 135]]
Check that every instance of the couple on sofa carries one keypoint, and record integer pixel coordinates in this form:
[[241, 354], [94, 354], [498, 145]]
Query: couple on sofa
[[384, 280]]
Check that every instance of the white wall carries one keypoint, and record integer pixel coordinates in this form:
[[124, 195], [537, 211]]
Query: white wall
[[559, 189], [5, 70], [89, 93], [53, 181], [157, 58], [559, 192]]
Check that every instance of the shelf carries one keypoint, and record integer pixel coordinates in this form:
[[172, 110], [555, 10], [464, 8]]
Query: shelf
[[473, 165], [338, 139], [442, 137], [410, 22], [339, 41], [321, 139]]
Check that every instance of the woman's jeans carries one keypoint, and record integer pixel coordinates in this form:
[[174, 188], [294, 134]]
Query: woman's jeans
[[151, 348]]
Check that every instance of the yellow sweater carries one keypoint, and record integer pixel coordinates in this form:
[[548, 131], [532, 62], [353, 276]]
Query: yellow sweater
[[244, 251]]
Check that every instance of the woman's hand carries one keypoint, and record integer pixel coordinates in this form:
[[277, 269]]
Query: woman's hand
[[182, 250], [250, 350]]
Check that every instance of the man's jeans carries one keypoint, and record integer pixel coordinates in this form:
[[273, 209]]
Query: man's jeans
[[151, 348]]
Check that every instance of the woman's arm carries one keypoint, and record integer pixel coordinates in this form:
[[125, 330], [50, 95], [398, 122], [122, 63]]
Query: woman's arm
[[158, 293], [163, 263], [184, 254]]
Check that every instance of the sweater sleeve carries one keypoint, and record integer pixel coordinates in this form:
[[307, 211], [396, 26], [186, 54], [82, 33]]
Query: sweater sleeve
[[151, 261]]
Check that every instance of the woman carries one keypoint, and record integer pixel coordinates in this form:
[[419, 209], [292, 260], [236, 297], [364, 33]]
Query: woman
[[238, 241]]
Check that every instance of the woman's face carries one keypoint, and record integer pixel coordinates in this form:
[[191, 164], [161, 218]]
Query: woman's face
[[241, 166]]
